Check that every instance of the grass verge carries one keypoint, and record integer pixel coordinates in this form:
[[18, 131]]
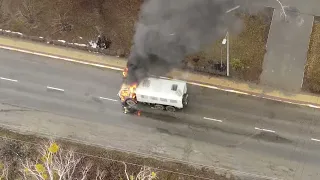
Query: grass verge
[[311, 80]]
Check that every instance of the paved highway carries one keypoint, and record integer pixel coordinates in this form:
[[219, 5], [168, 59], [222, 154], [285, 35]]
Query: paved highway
[[228, 130]]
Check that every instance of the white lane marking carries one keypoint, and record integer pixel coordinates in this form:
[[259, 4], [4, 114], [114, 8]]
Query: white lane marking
[[312, 106], [108, 99], [232, 9], [7, 79], [121, 69], [313, 139], [286, 101], [212, 119], [62, 58], [215, 87], [266, 130], [162, 77], [53, 88]]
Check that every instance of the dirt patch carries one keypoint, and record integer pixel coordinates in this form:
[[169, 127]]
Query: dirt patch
[[15, 147], [81, 21], [311, 80]]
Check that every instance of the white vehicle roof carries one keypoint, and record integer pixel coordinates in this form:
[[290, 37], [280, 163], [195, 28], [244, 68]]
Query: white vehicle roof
[[162, 88]]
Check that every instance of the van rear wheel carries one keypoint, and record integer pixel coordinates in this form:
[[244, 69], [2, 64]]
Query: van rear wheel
[[159, 107], [170, 108]]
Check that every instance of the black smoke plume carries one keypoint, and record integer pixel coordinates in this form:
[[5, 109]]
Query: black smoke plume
[[169, 30]]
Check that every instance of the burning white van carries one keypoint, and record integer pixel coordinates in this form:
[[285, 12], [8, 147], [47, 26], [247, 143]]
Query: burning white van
[[161, 94]]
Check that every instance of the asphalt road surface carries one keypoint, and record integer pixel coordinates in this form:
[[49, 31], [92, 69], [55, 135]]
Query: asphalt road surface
[[263, 137]]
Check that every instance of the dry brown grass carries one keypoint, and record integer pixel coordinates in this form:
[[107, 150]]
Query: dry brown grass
[[312, 70], [73, 20]]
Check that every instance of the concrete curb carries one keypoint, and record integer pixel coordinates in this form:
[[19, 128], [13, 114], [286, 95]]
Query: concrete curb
[[67, 52]]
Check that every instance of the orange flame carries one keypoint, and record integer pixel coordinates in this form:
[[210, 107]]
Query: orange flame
[[125, 72], [139, 113], [133, 88], [128, 91]]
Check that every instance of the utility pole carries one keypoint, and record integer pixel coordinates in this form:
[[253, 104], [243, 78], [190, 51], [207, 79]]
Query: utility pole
[[227, 36], [226, 41]]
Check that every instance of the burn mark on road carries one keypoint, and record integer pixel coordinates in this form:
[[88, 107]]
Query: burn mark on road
[[271, 137], [13, 110]]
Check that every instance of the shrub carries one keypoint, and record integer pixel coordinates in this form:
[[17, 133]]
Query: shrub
[[237, 64]]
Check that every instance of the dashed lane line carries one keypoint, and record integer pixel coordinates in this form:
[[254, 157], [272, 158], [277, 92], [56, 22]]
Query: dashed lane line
[[232, 9], [266, 130], [313, 139], [212, 119], [55, 89], [7, 79], [104, 98]]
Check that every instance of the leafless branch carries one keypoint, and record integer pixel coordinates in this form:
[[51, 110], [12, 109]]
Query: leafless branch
[[85, 171], [125, 171], [28, 171], [4, 170], [146, 173], [65, 164], [28, 12], [100, 174], [61, 23]]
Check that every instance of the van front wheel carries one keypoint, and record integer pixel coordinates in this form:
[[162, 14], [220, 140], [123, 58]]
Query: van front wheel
[[185, 100], [131, 102], [159, 107]]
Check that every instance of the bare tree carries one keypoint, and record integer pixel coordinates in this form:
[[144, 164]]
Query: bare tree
[[4, 171], [100, 174], [28, 12], [54, 163], [61, 23], [145, 173]]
